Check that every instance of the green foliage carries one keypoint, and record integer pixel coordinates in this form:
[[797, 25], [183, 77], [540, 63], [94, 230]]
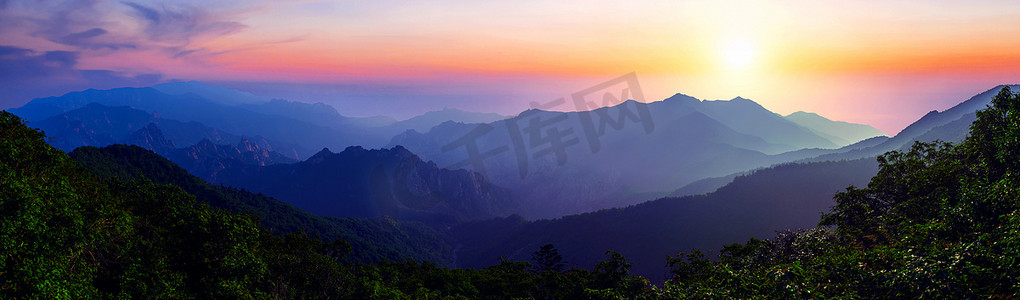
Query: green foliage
[[372, 240], [130, 226], [548, 258], [45, 239], [937, 221]]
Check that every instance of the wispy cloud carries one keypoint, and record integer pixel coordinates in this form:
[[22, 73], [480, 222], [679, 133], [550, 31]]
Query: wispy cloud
[[76, 23], [176, 30], [109, 43], [181, 24], [20, 64]]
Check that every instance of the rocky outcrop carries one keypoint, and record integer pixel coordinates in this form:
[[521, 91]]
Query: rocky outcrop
[[206, 159], [150, 137]]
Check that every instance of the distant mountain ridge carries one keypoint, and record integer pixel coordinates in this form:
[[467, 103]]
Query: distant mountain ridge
[[839, 132], [192, 108], [746, 116], [689, 140], [372, 240], [369, 183], [951, 125], [207, 159], [684, 139], [99, 125], [754, 204], [303, 126], [220, 95], [691, 147], [426, 121]]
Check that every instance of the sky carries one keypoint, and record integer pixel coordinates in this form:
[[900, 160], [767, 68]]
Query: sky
[[882, 63]]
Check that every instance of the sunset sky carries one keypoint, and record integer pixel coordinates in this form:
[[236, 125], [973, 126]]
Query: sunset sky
[[883, 63]]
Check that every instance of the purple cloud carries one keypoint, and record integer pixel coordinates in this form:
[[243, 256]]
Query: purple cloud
[[27, 74], [180, 25], [88, 29], [86, 40]]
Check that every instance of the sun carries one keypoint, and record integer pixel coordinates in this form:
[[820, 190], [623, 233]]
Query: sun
[[738, 54]]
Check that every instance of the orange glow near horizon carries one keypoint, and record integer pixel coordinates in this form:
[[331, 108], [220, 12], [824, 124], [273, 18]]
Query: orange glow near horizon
[[790, 54]]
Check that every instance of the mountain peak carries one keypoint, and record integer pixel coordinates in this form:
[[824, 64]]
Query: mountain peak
[[802, 113], [206, 143], [839, 132], [247, 145], [354, 148], [740, 99], [740, 102], [403, 152], [321, 156], [681, 97], [150, 137]]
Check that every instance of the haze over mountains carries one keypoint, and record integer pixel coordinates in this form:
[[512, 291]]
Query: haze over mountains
[[536, 165], [681, 140], [837, 132], [714, 138], [374, 240], [783, 197], [303, 127], [371, 183]]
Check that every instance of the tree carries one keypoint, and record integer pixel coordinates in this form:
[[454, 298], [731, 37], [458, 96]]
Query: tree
[[547, 258]]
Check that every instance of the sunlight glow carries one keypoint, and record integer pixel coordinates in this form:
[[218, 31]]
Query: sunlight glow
[[738, 53]]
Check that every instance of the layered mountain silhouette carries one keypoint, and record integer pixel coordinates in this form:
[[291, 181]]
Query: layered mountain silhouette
[[207, 159], [559, 166], [752, 204], [951, 125], [190, 107], [99, 125], [779, 198], [217, 94], [460, 170], [372, 240], [301, 126], [152, 138], [559, 163], [369, 183], [426, 121], [838, 132]]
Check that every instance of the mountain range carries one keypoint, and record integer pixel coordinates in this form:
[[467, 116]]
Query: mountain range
[[717, 138], [732, 168], [837, 132], [372, 240], [678, 141], [750, 205], [756, 205], [951, 125], [370, 183]]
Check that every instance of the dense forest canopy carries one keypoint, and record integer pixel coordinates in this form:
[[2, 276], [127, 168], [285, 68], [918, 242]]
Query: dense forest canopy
[[939, 220]]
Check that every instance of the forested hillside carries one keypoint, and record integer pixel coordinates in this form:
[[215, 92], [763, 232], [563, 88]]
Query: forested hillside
[[113, 232], [938, 221], [372, 240]]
